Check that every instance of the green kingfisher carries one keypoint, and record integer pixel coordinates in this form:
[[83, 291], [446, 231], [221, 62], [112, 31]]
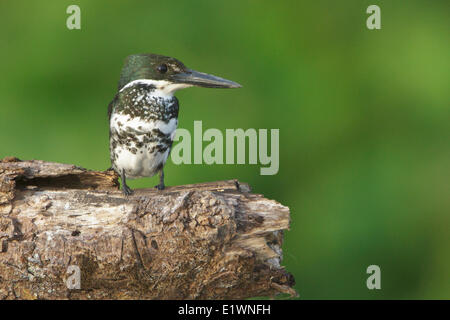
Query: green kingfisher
[[143, 115]]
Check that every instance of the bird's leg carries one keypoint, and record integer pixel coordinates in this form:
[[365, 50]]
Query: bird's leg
[[161, 185], [126, 189]]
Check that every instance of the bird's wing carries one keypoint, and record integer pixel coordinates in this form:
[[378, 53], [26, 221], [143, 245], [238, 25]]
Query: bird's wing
[[111, 105], [110, 108]]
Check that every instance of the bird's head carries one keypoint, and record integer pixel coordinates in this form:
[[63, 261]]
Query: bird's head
[[169, 73]]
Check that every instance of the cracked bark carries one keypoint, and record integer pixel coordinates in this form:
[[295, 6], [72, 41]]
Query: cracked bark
[[212, 240]]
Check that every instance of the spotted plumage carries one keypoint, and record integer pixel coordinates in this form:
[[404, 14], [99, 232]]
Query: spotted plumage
[[143, 115]]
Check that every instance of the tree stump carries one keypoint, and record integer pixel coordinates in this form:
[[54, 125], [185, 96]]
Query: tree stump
[[63, 226]]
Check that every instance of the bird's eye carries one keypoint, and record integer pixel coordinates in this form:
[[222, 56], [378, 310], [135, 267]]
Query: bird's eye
[[162, 68]]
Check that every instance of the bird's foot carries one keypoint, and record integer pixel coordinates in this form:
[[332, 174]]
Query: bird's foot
[[127, 191], [160, 186]]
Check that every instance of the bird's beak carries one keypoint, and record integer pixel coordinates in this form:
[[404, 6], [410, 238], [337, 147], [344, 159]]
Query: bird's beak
[[201, 79]]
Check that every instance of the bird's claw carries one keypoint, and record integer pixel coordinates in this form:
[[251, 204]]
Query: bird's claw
[[160, 186], [127, 191]]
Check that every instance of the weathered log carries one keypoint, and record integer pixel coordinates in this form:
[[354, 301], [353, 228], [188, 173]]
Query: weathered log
[[203, 241]]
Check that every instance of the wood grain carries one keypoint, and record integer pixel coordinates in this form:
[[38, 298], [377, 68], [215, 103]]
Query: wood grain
[[212, 240]]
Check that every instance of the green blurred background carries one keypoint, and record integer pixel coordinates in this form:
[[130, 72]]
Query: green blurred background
[[363, 116]]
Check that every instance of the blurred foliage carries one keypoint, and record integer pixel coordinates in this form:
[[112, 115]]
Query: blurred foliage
[[363, 117]]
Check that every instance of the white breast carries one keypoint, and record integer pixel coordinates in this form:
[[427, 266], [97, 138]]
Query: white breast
[[143, 162]]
